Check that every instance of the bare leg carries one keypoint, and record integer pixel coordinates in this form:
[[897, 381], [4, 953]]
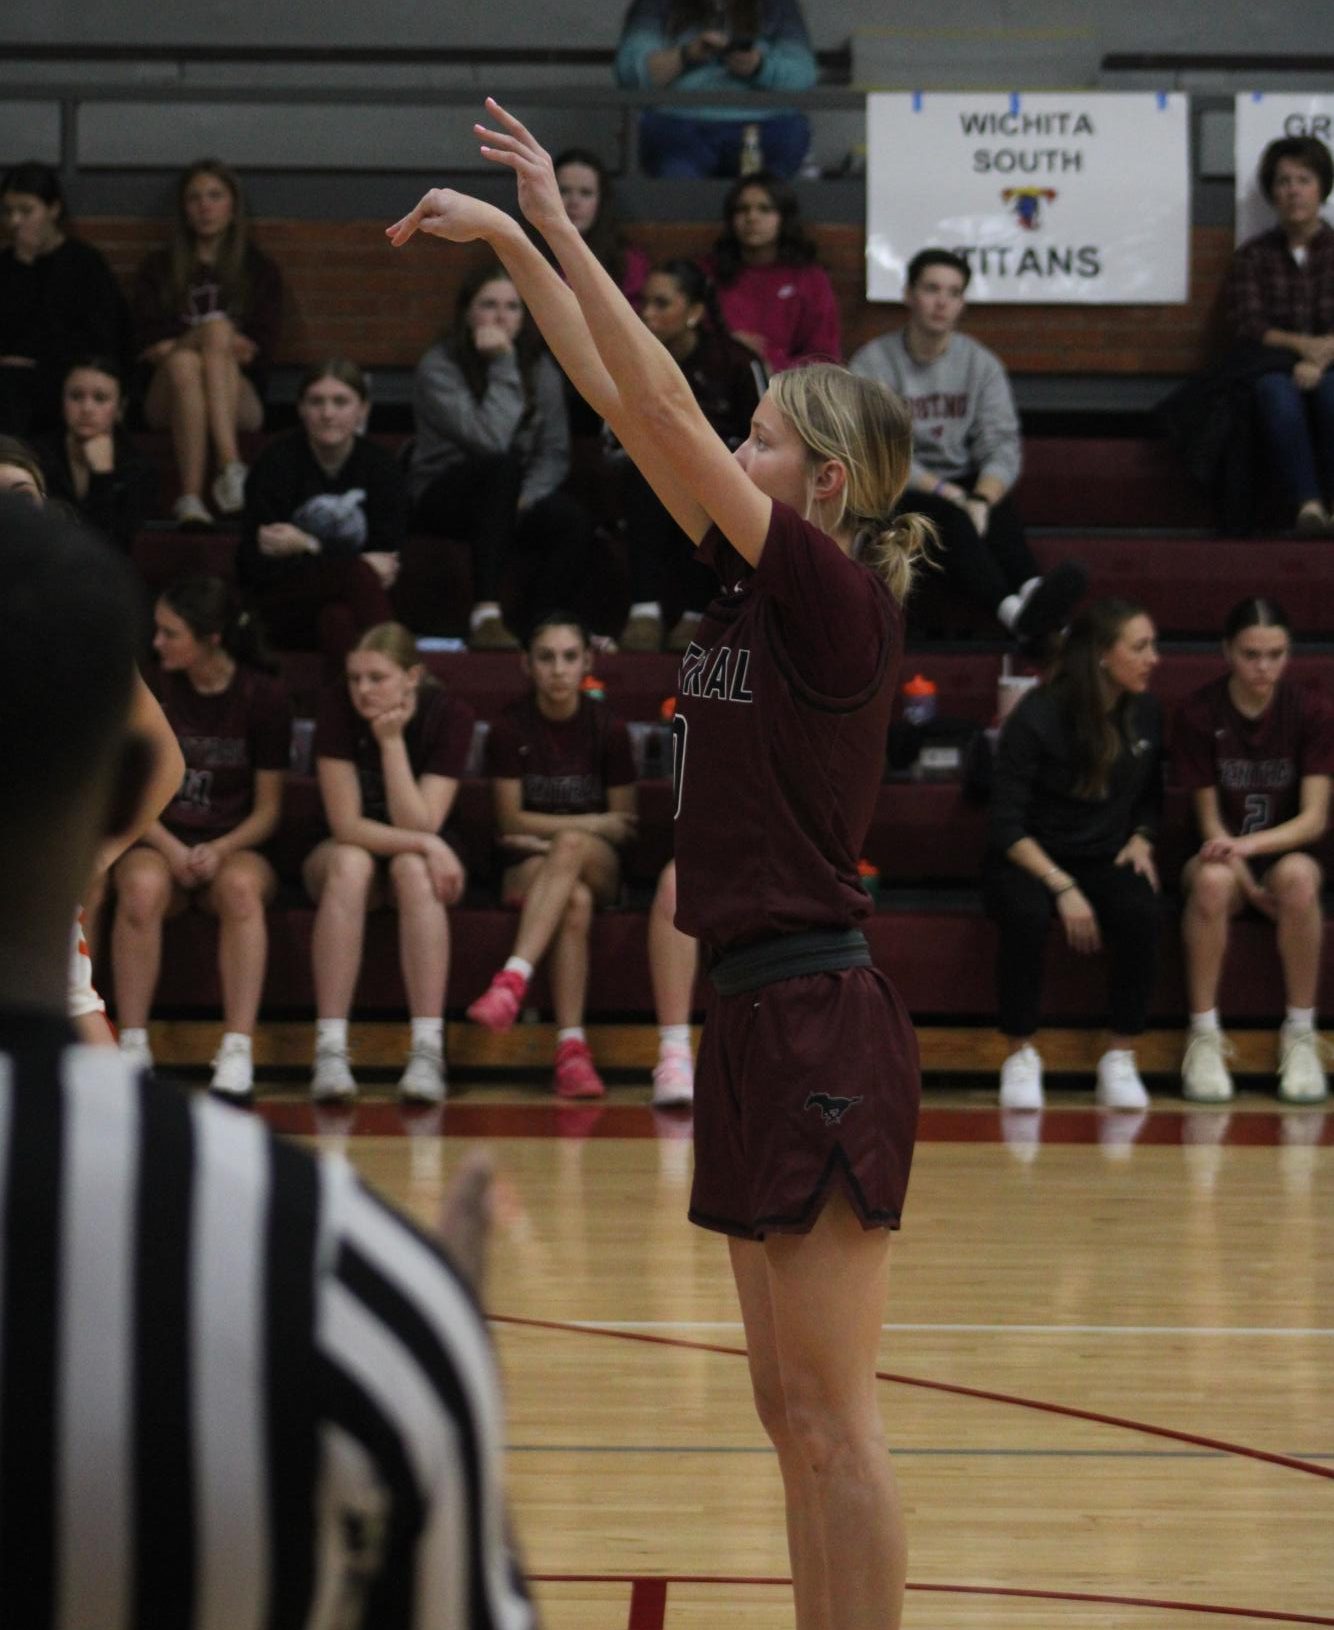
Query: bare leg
[[222, 388], [548, 895], [237, 896], [805, 1536], [1210, 906], [827, 1289], [176, 402], [1295, 882], [144, 891], [569, 959], [423, 937], [672, 955], [339, 876]]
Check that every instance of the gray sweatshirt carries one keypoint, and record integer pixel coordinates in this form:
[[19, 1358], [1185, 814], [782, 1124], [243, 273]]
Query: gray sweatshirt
[[965, 423], [453, 426]]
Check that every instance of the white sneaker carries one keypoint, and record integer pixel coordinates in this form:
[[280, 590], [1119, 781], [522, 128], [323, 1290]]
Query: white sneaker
[[673, 1079], [1205, 1078], [188, 510], [233, 1070], [137, 1054], [229, 488], [1021, 1080], [423, 1080], [331, 1080], [1119, 1085], [1301, 1071]]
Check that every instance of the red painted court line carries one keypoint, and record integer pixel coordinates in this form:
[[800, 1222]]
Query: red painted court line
[[1124, 1423], [938, 1124], [657, 1600]]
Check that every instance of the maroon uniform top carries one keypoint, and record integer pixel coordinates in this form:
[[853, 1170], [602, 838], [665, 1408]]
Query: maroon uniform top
[[783, 705], [438, 737], [1257, 765], [225, 738], [565, 765]]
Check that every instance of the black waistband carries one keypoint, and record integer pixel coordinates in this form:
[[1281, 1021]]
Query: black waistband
[[788, 957]]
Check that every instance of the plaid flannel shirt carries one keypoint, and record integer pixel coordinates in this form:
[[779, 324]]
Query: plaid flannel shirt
[[1266, 288]]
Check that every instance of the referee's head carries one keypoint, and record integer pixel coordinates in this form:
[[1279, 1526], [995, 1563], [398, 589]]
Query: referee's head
[[70, 772]]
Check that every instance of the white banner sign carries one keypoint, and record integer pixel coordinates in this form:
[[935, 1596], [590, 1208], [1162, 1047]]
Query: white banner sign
[[1051, 199], [1262, 118]]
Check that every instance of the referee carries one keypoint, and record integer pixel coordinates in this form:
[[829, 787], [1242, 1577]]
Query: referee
[[236, 1390]]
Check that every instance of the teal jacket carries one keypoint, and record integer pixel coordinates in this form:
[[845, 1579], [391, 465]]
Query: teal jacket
[[788, 62]]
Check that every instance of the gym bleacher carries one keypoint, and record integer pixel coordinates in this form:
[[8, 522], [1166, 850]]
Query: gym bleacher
[[1099, 485]]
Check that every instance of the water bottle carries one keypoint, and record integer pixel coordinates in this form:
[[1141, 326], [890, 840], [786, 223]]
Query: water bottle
[[752, 153], [919, 701]]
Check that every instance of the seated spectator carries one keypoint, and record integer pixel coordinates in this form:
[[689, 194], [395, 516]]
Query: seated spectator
[[680, 309], [773, 296], [966, 452], [58, 301], [1074, 815], [565, 807], [91, 465], [491, 451], [21, 471], [1256, 750], [1280, 295], [673, 961], [733, 48], [390, 746], [326, 513], [207, 313], [234, 725]]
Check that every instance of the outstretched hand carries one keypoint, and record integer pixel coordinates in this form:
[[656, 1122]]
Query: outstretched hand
[[514, 146], [447, 214]]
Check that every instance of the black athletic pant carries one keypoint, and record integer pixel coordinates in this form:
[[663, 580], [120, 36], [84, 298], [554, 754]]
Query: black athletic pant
[[1022, 906], [983, 569], [662, 559]]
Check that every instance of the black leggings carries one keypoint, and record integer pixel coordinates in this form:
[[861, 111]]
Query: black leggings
[[1127, 911], [983, 569], [662, 559]]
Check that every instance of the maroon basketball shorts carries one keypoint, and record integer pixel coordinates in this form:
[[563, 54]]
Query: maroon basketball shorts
[[801, 1084]]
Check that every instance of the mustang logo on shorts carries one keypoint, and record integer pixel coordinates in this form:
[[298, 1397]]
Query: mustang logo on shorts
[[833, 1109]]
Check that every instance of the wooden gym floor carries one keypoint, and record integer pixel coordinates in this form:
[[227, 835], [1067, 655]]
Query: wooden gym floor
[[1107, 1366]]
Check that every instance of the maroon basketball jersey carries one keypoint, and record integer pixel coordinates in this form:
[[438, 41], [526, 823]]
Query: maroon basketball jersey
[[1257, 765], [565, 765], [783, 704]]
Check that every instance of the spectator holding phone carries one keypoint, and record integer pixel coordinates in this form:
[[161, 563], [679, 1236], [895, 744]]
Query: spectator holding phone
[[733, 47]]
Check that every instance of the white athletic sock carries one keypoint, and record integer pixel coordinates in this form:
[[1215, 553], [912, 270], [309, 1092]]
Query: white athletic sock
[[646, 608], [516, 964], [573, 1032], [429, 1033], [331, 1035], [1007, 612], [1300, 1018], [673, 1035], [1202, 1024], [235, 1041], [133, 1038]]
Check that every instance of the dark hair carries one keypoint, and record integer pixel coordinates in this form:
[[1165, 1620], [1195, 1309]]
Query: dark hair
[[1100, 737], [926, 258], [474, 367], [795, 246], [695, 284], [231, 267], [343, 369], [1308, 151], [97, 364], [208, 606], [556, 618], [54, 576], [1255, 613], [40, 181], [605, 237], [21, 456]]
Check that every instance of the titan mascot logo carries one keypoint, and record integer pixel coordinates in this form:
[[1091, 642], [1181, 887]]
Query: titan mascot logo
[[1026, 204]]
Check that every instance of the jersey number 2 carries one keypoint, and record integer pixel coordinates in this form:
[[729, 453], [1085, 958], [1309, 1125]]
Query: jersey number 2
[[1257, 812]]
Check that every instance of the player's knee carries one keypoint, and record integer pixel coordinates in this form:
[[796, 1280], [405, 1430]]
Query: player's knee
[[142, 894], [820, 1433], [350, 869], [1296, 883], [579, 910], [238, 891], [184, 366], [1212, 889], [409, 876], [568, 849], [771, 1409], [217, 335]]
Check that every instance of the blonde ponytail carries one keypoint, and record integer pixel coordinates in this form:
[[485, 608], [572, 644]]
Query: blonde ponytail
[[897, 550]]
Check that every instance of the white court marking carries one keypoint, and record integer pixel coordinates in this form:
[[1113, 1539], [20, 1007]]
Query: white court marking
[[986, 1329]]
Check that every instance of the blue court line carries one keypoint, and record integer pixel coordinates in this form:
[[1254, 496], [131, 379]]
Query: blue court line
[[894, 1449]]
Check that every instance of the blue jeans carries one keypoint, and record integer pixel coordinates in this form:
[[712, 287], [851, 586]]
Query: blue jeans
[[1299, 429], [680, 148]]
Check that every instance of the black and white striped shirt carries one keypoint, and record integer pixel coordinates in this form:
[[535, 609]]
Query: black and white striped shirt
[[236, 1390]]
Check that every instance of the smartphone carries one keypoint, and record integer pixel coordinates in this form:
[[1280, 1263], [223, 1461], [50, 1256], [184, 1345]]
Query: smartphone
[[739, 42]]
